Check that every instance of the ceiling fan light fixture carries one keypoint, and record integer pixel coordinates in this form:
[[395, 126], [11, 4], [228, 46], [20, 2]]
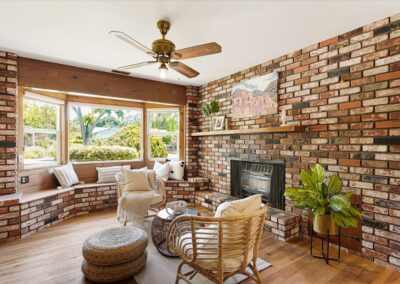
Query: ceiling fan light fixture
[[163, 71]]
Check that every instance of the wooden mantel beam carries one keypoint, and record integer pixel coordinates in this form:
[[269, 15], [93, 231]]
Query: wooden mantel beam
[[47, 75]]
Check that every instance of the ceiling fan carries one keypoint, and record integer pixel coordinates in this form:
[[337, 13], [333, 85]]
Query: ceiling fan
[[163, 52]]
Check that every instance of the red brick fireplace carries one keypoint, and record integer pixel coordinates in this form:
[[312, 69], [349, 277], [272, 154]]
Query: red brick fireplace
[[345, 91]]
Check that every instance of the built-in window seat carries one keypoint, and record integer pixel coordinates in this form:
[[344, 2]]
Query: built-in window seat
[[185, 189], [28, 212]]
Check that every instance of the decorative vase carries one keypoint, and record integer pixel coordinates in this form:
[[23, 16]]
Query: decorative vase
[[324, 223]]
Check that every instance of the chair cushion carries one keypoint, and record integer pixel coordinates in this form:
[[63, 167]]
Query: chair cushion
[[157, 198], [239, 207], [162, 170], [107, 174], [66, 175], [136, 180]]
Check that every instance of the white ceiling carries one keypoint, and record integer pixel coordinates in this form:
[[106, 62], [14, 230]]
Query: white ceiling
[[250, 32]]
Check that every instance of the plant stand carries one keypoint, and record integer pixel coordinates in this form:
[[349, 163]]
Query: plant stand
[[325, 238]]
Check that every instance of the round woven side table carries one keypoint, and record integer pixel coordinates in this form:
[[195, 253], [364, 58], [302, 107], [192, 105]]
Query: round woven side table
[[159, 228]]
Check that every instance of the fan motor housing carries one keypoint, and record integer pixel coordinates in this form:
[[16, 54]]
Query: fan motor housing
[[163, 46]]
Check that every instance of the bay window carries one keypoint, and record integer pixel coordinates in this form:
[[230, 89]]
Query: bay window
[[58, 128], [41, 130], [163, 133], [104, 133]]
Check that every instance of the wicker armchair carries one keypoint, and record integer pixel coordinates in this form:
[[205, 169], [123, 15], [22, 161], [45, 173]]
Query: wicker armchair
[[217, 247], [124, 205]]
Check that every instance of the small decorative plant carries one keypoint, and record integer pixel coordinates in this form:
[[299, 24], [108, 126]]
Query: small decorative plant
[[210, 108], [321, 194]]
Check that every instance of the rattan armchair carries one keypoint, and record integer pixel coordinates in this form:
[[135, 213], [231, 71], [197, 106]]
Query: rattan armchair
[[124, 206], [217, 247]]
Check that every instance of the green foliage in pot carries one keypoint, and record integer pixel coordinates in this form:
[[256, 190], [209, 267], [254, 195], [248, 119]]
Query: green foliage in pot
[[322, 195], [210, 108]]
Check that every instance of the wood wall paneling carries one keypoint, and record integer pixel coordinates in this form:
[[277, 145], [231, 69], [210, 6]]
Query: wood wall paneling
[[53, 76]]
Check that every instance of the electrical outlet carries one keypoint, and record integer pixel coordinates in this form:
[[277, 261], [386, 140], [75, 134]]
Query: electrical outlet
[[24, 179]]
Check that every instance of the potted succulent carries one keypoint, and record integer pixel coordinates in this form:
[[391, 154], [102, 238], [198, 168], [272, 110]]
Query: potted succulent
[[330, 208], [208, 109]]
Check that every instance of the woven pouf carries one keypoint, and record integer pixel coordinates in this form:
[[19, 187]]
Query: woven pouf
[[114, 254], [113, 273]]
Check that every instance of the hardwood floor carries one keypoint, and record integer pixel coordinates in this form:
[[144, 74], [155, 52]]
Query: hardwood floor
[[54, 256]]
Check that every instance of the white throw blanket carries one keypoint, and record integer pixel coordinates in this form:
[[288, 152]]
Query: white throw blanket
[[133, 206]]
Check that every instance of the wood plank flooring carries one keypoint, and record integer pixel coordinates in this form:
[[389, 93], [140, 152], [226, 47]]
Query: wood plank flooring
[[54, 256]]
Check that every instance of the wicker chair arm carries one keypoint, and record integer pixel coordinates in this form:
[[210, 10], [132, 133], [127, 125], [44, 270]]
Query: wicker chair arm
[[120, 184]]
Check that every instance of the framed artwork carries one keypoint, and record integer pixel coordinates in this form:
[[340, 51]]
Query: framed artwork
[[256, 97], [218, 122]]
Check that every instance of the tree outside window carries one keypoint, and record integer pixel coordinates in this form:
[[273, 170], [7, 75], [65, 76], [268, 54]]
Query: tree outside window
[[163, 131], [104, 133]]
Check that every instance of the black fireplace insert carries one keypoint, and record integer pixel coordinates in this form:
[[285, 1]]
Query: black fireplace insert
[[259, 177]]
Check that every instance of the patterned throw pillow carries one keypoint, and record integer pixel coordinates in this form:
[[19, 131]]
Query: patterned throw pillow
[[177, 170], [66, 175], [107, 174]]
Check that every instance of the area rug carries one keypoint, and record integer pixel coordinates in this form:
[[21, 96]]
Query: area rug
[[261, 265], [162, 269]]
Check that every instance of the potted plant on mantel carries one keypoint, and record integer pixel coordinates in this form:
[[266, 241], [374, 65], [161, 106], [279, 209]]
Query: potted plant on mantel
[[330, 208], [208, 109]]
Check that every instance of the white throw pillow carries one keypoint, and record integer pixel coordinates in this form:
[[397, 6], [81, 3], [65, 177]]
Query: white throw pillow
[[177, 170], [162, 170], [136, 180], [107, 174], [239, 207], [65, 175]]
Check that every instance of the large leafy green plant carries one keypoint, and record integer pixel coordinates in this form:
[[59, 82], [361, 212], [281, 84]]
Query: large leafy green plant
[[210, 108], [322, 195]]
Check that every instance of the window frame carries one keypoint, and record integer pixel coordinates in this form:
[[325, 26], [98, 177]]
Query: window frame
[[59, 128], [105, 106], [67, 98], [149, 133]]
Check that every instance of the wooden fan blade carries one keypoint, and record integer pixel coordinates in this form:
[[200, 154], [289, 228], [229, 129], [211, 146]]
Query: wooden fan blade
[[183, 69], [136, 65], [123, 36], [196, 51]]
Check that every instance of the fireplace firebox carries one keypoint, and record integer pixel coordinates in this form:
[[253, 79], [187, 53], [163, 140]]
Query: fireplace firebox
[[259, 177]]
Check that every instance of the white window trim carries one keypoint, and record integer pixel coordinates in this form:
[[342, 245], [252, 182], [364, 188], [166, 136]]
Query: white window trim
[[57, 131], [155, 132], [103, 106]]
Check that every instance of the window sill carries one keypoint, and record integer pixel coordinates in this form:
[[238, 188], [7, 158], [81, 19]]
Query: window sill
[[43, 166], [107, 162]]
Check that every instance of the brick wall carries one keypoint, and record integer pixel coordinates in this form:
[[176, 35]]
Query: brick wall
[[8, 116], [191, 125], [345, 91], [185, 190]]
